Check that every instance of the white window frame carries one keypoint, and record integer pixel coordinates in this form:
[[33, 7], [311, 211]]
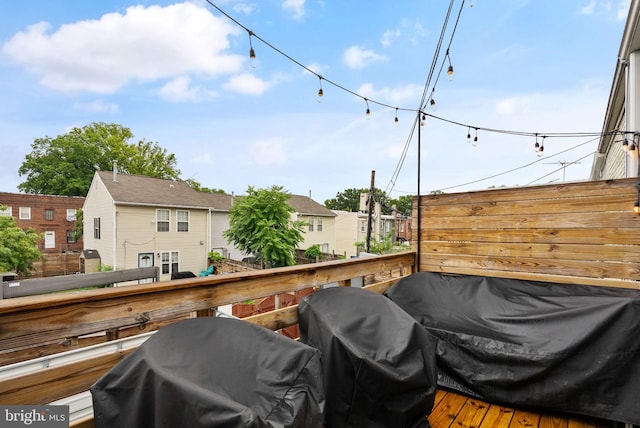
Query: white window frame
[[48, 211], [24, 213], [310, 224], [71, 214], [96, 227], [160, 220], [167, 260], [49, 243], [5, 211], [181, 223], [319, 224]]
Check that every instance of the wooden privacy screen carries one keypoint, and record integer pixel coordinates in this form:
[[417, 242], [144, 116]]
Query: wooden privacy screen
[[584, 233]]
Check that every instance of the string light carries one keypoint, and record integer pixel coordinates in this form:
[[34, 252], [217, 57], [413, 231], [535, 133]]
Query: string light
[[539, 147], [424, 118], [625, 145], [252, 53], [475, 139], [320, 91], [468, 135], [450, 69], [368, 112], [396, 120]]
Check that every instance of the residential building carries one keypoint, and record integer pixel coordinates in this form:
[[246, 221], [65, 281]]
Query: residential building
[[351, 228], [617, 154], [52, 217], [320, 223], [136, 221]]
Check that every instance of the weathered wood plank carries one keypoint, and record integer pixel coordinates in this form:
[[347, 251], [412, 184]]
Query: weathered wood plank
[[553, 421], [37, 320], [497, 417], [472, 414], [594, 236], [51, 384], [599, 273], [553, 206], [524, 419], [586, 220], [583, 252], [448, 408]]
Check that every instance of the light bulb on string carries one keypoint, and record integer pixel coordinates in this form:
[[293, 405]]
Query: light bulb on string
[[625, 145], [396, 120], [450, 68], [368, 112], [252, 53], [432, 102], [320, 91], [468, 135], [424, 118], [540, 148], [475, 139]]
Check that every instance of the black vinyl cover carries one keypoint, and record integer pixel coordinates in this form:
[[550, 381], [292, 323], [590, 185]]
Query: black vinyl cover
[[378, 363], [213, 372], [569, 348]]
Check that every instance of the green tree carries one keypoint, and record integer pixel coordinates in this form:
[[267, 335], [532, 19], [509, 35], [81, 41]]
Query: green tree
[[65, 165], [349, 200], [404, 204], [195, 185], [260, 224], [18, 248]]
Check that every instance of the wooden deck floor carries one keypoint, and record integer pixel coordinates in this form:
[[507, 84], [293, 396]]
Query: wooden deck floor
[[452, 410]]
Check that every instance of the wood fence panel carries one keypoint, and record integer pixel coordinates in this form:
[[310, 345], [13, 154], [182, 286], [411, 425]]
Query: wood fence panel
[[558, 232]]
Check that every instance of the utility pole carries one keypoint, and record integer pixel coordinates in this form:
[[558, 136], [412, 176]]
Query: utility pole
[[370, 212], [563, 164]]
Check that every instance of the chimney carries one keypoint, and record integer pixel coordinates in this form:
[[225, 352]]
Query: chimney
[[115, 171]]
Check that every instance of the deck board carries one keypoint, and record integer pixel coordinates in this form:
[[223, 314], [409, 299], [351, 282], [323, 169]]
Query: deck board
[[453, 410]]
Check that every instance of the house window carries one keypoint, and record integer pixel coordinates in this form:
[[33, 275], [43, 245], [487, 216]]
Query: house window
[[311, 224], [96, 227], [162, 220], [48, 214], [25, 213], [5, 211], [70, 238], [182, 218], [71, 214], [319, 224], [169, 261], [401, 227], [363, 226]]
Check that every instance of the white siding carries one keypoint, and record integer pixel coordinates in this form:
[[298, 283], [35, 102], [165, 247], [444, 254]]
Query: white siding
[[98, 204]]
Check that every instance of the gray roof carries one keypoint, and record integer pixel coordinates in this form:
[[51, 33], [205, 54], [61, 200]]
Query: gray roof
[[141, 190], [306, 206]]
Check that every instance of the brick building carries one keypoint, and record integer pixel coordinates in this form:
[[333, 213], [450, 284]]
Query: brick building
[[53, 217]]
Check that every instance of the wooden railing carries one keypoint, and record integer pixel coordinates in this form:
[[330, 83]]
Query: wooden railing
[[37, 326]]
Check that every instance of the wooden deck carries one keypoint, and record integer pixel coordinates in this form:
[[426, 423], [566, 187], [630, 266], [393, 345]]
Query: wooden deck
[[452, 410]]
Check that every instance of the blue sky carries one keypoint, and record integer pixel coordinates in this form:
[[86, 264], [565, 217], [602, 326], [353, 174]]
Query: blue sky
[[179, 74]]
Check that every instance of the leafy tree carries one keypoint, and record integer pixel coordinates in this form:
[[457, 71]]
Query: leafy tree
[[195, 185], [78, 228], [18, 247], [260, 224], [404, 204], [349, 200], [65, 165]]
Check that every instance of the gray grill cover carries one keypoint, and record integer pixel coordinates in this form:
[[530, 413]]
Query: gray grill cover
[[378, 362], [213, 372], [569, 348]]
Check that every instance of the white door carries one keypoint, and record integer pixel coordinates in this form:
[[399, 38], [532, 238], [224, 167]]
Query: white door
[[145, 260], [49, 239]]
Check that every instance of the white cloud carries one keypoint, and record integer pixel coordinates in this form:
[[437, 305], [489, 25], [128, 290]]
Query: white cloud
[[270, 152], [295, 7], [143, 44], [181, 90], [244, 8], [389, 37], [399, 95], [623, 10], [589, 8], [356, 57], [247, 83], [97, 106]]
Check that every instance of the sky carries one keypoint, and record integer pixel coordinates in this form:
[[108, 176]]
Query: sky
[[179, 74]]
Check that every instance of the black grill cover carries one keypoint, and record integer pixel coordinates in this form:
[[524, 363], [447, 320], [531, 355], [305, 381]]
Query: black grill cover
[[378, 363], [213, 372], [569, 348]]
